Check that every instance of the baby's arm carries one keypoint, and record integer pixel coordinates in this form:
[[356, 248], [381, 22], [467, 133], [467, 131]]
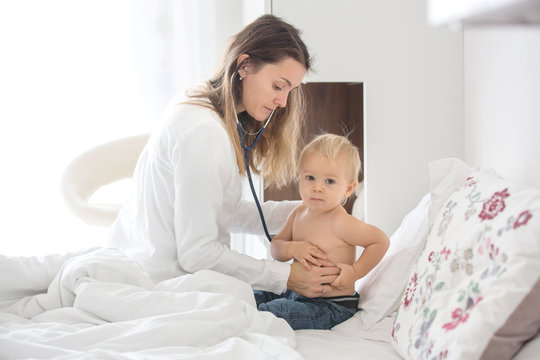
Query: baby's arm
[[374, 241], [283, 248]]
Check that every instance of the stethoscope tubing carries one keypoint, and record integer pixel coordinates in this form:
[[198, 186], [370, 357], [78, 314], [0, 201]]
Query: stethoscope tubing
[[246, 159], [246, 148]]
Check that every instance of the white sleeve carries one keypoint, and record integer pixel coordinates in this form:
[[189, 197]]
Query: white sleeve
[[246, 218], [203, 171]]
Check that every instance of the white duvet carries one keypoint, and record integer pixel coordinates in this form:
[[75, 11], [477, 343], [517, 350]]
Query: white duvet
[[102, 305]]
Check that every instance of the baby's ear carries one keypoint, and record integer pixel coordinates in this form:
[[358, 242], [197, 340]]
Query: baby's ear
[[350, 188]]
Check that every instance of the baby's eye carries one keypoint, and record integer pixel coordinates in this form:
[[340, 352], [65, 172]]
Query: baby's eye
[[330, 181], [310, 178]]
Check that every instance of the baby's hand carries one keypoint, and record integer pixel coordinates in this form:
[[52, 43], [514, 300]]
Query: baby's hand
[[306, 253], [345, 279]]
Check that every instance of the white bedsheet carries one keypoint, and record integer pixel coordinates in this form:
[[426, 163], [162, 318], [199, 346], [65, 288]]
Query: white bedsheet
[[348, 340], [102, 305]]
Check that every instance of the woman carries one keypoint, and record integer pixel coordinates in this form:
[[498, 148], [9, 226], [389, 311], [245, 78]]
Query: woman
[[188, 178]]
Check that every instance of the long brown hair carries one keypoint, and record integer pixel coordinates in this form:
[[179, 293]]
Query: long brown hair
[[267, 40]]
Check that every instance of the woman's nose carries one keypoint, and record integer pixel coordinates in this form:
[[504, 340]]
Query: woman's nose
[[281, 100]]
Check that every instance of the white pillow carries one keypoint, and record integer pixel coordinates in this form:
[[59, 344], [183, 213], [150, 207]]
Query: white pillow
[[474, 290], [444, 176], [381, 289]]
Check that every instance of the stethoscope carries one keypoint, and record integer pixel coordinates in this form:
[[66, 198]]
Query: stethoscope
[[246, 148]]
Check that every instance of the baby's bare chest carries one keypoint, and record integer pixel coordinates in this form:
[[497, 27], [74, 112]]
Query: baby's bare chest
[[322, 233]]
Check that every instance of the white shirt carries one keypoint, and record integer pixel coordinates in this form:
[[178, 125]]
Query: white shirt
[[187, 201]]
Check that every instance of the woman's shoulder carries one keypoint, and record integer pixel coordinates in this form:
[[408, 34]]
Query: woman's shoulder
[[183, 118], [184, 123], [185, 111]]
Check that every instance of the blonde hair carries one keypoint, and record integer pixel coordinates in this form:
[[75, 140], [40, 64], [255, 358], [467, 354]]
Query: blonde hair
[[332, 146], [267, 40]]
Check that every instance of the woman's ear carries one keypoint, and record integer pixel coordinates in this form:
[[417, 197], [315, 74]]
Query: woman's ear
[[242, 61], [242, 65]]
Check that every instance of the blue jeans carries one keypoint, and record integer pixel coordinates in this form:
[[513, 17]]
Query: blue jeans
[[307, 313]]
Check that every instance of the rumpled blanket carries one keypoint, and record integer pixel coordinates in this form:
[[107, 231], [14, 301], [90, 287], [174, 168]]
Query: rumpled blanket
[[100, 304]]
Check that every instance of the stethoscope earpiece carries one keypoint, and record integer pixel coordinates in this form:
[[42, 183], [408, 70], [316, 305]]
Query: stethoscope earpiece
[[239, 75]]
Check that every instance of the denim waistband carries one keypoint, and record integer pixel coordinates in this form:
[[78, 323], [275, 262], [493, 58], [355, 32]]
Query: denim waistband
[[348, 301]]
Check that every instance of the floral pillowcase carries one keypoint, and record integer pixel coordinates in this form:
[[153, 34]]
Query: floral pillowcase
[[474, 291]]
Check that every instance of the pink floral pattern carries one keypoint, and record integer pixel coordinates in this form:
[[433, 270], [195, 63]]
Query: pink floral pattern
[[446, 252], [411, 289], [470, 181], [463, 257], [494, 205], [460, 316], [522, 219]]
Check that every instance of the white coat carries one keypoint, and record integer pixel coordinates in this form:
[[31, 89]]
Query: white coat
[[187, 201]]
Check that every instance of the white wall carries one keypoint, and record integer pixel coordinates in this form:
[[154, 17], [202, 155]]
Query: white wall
[[502, 106], [413, 76], [77, 73]]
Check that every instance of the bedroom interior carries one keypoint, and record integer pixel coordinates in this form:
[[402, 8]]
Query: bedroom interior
[[450, 125]]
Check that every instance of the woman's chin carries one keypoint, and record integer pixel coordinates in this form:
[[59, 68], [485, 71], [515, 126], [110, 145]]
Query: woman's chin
[[258, 117]]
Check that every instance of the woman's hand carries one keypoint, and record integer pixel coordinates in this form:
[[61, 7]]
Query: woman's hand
[[309, 283], [307, 253], [346, 278]]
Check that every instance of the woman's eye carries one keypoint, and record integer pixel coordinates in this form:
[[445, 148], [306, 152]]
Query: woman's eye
[[330, 181], [277, 87]]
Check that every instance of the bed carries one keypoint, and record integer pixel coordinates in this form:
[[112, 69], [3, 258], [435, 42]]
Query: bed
[[459, 281]]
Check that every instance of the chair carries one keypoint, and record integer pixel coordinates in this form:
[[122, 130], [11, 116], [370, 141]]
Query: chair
[[97, 167]]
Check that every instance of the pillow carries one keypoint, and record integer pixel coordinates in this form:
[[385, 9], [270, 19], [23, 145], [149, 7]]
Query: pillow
[[444, 175], [381, 289], [474, 288]]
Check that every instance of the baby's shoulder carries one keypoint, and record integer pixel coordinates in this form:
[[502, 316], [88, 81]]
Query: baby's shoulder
[[300, 208], [344, 220], [298, 213]]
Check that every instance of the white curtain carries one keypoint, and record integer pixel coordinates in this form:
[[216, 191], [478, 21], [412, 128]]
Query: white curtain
[[77, 73]]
